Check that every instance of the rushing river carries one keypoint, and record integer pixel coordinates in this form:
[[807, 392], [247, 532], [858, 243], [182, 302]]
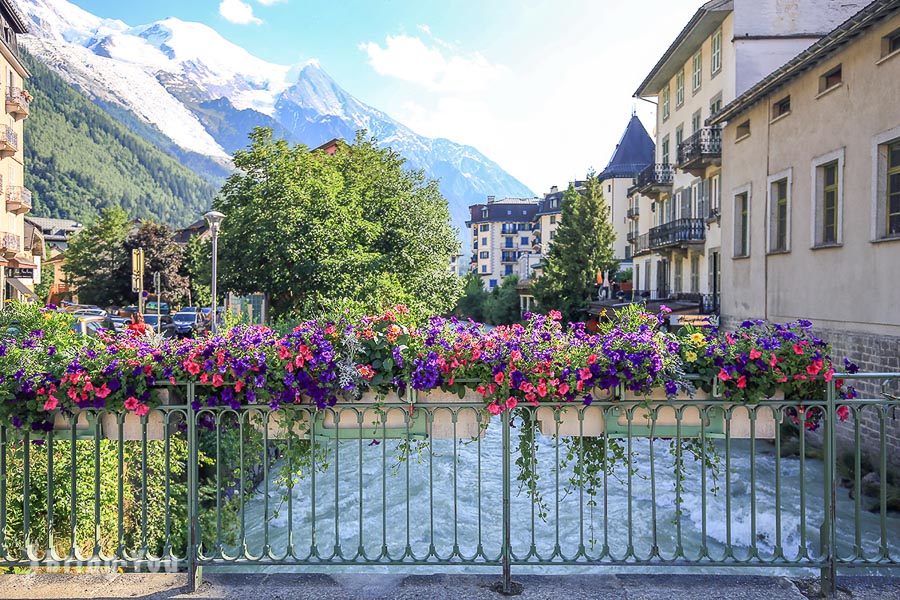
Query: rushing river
[[397, 507]]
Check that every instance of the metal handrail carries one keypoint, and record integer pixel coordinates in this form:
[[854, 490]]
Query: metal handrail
[[676, 232], [705, 142]]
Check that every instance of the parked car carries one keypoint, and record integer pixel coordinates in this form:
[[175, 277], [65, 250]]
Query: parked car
[[120, 324], [91, 324], [90, 312], [152, 305], [165, 325], [188, 322]]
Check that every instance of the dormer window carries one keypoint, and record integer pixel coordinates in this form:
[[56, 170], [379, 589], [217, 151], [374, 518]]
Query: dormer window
[[484, 213]]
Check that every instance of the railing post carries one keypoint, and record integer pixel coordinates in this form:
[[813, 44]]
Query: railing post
[[827, 535], [193, 549], [505, 549]]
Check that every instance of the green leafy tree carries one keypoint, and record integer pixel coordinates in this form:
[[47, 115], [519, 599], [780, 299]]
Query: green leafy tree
[[96, 260], [582, 246], [502, 306], [310, 229], [472, 303], [197, 267], [43, 288]]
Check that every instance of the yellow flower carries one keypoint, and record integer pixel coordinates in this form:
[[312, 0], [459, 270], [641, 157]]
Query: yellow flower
[[603, 313], [46, 317], [698, 339], [690, 356]]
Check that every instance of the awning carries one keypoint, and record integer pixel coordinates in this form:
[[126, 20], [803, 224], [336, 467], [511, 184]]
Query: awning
[[21, 263], [23, 289]]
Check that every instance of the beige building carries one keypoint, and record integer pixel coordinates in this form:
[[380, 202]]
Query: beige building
[[811, 210], [19, 256], [501, 234], [728, 46]]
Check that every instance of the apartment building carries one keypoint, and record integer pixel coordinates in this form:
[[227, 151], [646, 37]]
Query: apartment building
[[726, 47], [634, 153], [19, 258], [501, 234], [811, 191]]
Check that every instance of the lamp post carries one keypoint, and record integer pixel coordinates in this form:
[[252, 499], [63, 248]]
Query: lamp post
[[214, 219]]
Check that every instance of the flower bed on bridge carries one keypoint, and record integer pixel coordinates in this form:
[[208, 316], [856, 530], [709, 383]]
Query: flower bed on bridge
[[46, 370]]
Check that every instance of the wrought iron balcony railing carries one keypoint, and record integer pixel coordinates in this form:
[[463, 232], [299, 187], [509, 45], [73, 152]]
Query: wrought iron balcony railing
[[660, 174], [9, 141], [702, 149], [679, 231], [18, 102], [10, 244], [18, 199], [641, 245], [633, 212]]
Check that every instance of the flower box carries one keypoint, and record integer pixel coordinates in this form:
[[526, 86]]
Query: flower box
[[659, 416], [132, 425]]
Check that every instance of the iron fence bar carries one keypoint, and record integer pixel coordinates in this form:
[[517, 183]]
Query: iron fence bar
[[193, 550], [505, 548]]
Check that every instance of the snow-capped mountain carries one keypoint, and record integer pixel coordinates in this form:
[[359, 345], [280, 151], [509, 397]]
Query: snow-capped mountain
[[205, 93]]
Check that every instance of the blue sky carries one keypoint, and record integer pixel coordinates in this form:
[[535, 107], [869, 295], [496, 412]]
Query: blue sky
[[541, 87]]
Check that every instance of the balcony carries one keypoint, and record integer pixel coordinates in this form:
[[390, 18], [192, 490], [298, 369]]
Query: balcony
[[641, 245], [679, 232], [18, 199], [701, 150], [10, 244], [9, 141], [17, 102], [631, 236], [633, 213], [655, 180]]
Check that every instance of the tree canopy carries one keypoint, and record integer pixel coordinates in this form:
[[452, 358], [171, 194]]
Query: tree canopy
[[311, 229], [98, 260], [582, 247]]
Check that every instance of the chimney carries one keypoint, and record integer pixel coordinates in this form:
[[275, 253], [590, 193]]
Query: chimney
[[554, 189], [491, 198]]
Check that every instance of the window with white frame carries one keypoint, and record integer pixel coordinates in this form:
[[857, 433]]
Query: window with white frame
[[893, 189], [715, 59], [742, 223], [697, 74], [665, 151], [780, 212], [679, 88], [695, 273], [676, 278], [827, 198], [695, 122], [715, 195], [665, 103]]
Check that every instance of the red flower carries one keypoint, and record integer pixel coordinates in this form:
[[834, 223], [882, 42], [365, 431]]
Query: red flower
[[723, 375], [499, 377], [494, 409], [843, 412], [742, 381], [131, 403], [141, 410], [217, 380], [754, 354], [798, 349]]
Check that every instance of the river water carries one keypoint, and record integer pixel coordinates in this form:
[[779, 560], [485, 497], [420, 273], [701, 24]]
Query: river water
[[366, 498]]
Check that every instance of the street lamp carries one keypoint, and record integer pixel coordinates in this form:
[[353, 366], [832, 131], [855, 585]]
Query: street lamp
[[214, 219]]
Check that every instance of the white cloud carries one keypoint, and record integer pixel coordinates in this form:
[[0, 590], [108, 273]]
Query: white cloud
[[238, 12], [270, 2], [411, 59]]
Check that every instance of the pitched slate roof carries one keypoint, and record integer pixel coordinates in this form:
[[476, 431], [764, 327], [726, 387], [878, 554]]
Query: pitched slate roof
[[633, 153]]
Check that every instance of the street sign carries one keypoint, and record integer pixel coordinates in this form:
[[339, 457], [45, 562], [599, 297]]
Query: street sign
[[137, 270]]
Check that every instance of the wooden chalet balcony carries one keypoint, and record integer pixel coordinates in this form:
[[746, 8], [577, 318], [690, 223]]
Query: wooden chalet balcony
[[10, 244], [18, 199], [701, 150], [654, 180], [679, 232], [18, 102], [641, 245], [9, 141]]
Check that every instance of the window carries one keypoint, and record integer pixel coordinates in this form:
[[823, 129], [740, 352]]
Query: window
[[893, 190], [508, 242], [665, 150], [508, 270], [552, 219], [493, 283], [484, 213], [552, 233], [742, 224], [827, 180], [829, 203], [679, 89], [637, 277], [715, 105], [830, 79], [484, 241], [695, 273], [715, 195], [715, 59], [890, 43], [781, 108], [697, 75], [484, 254], [484, 268], [695, 122], [676, 282], [665, 103], [524, 241], [779, 213], [679, 135], [485, 227], [742, 130]]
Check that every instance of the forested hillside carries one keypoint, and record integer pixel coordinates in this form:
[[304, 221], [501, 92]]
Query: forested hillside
[[79, 160]]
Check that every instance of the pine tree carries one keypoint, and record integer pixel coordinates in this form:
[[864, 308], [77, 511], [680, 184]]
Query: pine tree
[[582, 247]]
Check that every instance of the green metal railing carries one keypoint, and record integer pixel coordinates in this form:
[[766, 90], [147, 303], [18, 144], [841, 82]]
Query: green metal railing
[[357, 485]]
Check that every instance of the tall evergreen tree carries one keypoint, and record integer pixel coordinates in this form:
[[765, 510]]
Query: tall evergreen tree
[[582, 247]]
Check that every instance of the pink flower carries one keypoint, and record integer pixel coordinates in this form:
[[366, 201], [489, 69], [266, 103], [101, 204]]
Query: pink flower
[[499, 377], [798, 349], [131, 403], [829, 374], [564, 388], [102, 391], [723, 375], [815, 367], [555, 315], [754, 354], [742, 381], [51, 403], [843, 412], [511, 403], [494, 409], [217, 380], [141, 410]]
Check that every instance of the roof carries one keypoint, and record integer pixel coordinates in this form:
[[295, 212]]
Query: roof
[[822, 50], [183, 236], [54, 228], [704, 22], [504, 211], [15, 17], [633, 153]]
